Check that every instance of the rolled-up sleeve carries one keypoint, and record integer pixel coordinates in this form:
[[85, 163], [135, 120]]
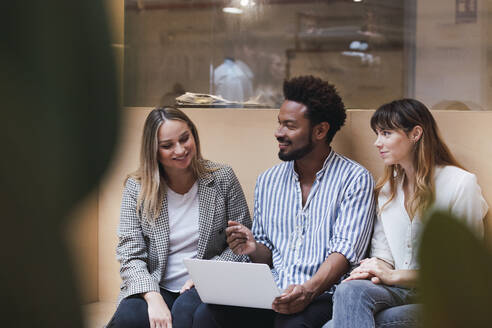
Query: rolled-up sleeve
[[469, 204], [355, 218]]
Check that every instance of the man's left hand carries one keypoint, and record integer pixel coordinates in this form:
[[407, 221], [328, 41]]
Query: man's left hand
[[294, 299]]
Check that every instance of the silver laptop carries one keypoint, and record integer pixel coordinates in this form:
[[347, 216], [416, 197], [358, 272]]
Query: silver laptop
[[233, 283]]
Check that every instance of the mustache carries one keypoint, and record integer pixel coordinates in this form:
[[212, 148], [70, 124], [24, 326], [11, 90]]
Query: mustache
[[283, 140]]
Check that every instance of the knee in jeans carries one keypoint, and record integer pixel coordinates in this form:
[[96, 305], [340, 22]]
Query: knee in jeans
[[187, 302], [351, 291], [124, 320], [345, 290], [202, 313], [132, 312]]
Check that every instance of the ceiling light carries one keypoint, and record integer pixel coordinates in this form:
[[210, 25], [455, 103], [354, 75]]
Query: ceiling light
[[232, 10], [244, 3], [357, 0]]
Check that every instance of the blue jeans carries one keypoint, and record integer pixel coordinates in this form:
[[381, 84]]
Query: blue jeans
[[215, 316], [361, 303], [132, 311]]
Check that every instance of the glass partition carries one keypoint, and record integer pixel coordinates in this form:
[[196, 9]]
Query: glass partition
[[373, 51]]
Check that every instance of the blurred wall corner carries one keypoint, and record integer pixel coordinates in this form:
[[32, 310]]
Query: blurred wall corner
[[60, 121]]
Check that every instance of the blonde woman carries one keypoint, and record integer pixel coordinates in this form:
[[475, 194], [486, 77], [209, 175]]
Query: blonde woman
[[175, 206], [420, 172]]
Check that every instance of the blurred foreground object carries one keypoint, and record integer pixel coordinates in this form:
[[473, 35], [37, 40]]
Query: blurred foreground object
[[456, 275], [59, 123]]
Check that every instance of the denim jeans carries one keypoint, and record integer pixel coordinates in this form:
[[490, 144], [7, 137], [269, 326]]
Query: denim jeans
[[132, 311], [215, 316], [361, 303]]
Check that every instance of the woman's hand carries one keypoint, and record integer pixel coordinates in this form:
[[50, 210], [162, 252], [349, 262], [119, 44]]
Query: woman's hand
[[187, 285], [159, 314], [374, 269]]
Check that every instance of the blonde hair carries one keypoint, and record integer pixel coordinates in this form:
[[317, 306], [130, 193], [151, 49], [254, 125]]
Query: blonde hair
[[430, 151], [151, 173]]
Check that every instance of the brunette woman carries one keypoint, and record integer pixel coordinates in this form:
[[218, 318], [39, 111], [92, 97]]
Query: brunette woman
[[420, 173]]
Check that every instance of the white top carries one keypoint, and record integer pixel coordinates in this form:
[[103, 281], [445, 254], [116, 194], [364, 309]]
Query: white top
[[183, 236], [396, 237]]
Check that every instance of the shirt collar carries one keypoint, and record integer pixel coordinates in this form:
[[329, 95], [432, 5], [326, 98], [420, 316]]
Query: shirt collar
[[328, 160], [321, 172]]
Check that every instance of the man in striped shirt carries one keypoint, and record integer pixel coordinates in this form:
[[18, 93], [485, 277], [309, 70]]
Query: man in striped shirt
[[313, 214]]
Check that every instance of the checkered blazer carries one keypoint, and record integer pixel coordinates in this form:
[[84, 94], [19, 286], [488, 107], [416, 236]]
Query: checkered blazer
[[143, 247]]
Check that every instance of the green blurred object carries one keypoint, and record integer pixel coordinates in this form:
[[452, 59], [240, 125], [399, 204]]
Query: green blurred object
[[455, 275], [59, 109]]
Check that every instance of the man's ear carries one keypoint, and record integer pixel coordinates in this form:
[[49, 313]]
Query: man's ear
[[320, 130]]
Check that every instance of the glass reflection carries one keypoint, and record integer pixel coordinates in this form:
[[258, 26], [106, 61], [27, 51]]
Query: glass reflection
[[374, 51]]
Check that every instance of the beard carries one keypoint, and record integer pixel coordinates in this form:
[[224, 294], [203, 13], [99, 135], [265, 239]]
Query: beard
[[298, 153]]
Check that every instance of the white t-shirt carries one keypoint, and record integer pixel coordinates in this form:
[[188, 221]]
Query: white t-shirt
[[396, 237], [183, 236]]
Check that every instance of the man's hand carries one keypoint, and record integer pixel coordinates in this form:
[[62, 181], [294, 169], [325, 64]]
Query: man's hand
[[240, 238], [294, 299], [159, 314], [187, 285]]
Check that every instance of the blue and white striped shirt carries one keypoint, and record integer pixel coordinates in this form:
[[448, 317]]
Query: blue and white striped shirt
[[338, 217]]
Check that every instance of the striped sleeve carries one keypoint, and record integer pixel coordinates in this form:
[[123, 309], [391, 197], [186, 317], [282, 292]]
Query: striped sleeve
[[258, 221], [355, 219]]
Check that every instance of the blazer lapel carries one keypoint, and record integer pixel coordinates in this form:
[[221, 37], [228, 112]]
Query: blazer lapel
[[206, 208], [161, 234]]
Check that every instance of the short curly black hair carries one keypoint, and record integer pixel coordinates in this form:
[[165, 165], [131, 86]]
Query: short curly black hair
[[321, 99]]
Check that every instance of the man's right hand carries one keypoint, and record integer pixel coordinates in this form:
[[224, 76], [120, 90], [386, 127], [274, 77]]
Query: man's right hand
[[240, 239], [159, 314]]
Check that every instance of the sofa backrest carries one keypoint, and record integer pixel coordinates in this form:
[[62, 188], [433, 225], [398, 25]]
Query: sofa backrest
[[244, 139]]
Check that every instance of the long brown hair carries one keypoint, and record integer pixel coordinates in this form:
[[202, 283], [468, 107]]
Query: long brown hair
[[430, 150], [151, 173]]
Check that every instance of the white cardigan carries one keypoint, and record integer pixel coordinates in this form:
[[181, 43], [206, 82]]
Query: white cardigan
[[396, 237]]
